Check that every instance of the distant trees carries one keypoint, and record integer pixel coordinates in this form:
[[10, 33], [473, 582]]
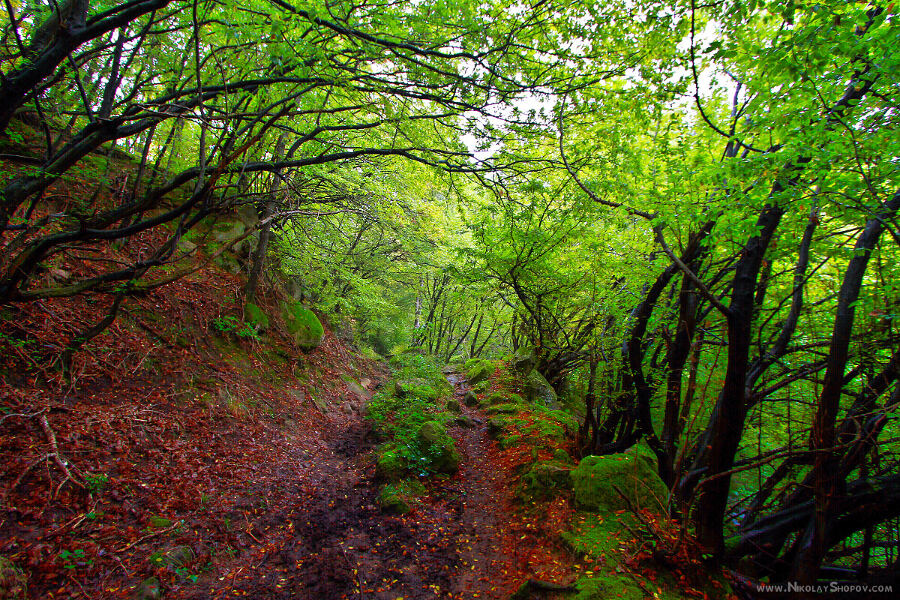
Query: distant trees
[[205, 89]]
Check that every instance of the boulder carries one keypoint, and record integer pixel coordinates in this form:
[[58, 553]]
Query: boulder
[[303, 325], [543, 480], [255, 316], [478, 370], [470, 399], [596, 478], [437, 444], [390, 464], [465, 421], [453, 406], [148, 589], [538, 391], [523, 361]]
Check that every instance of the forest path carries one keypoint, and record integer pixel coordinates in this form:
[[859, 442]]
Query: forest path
[[322, 536]]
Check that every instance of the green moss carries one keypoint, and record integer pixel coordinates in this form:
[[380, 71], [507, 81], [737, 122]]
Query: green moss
[[256, 317], [418, 388], [302, 324], [390, 465], [503, 398], [503, 409], [398, 497], [596, 478], [436, 444], [544, 480], [479, 371]]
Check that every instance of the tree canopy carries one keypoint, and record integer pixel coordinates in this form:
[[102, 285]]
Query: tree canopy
[[687, 212]]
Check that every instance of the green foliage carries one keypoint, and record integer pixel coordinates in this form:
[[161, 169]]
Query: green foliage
[[75, 558], [96, 482], [231, 325]]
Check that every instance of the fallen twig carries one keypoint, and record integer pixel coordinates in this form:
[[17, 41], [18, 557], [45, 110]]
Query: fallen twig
[[147, 537]]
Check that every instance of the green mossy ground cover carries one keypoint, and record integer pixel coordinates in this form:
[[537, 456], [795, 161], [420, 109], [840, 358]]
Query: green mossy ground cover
[[410, 415]]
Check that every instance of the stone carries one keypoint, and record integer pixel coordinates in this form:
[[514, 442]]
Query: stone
[[470, 399], [453, 406], [13, 581], [255, 316], [523, 361], [596, 478], [465, 421], [358, 391], [538, 391], [178, 556], [186, 246], [148, 589], [479, 370], [543, 480], [439, 447], [303, 325], [390, 465]]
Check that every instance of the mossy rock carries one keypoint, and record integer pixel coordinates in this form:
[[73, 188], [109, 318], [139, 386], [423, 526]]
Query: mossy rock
[[303, 325], [479, 371], [438, 446], [13, 581], [148, 589], [481, 386], [397, 498], [157, 522], [538, 391], [496, 426], [523, 361], [453, 406], [544, 480], [508, 441], [503, 409], [464, 421], [470, 399], [255, 316], [596, 477], [390, 465]]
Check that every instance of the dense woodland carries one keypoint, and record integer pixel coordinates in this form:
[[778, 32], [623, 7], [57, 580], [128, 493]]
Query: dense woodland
[[685, 211]]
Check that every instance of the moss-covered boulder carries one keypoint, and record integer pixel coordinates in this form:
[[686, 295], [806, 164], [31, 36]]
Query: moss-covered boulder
[[453, 406], [478, 370], [438, 446], [596, 478], [255, 316], [503, 409], [523, 361], [148, 589], [544, 480], [470, 399], [390, 465], [397, 498], [538, 391], [303, 325], [13, 582]]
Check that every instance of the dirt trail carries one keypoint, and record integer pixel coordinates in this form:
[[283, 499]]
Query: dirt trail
[[324, 536]]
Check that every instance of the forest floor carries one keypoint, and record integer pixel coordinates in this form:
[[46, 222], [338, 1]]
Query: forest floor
[[223, 470], [328, 539]]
